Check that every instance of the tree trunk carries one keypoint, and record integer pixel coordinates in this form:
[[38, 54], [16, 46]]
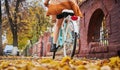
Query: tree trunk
[[1, 50], [31, 42], [15, 37]]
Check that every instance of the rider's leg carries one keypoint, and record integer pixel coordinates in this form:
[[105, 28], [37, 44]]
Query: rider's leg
[[56, 33], [57, 28]]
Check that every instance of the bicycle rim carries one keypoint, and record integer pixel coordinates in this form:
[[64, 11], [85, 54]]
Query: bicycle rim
[[70, 41]]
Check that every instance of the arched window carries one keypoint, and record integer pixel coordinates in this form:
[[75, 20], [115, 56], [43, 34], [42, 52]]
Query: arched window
[[97, 30]]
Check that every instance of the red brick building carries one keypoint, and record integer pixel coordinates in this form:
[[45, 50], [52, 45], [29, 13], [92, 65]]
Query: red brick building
[[99, 30]]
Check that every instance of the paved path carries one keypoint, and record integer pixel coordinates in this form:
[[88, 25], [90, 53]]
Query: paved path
[[59, 54]]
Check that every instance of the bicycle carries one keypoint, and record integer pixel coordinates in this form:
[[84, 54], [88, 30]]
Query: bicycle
[[68, 33]]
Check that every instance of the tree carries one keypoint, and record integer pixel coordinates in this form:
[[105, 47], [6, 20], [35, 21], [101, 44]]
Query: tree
[[38, 20], [0, 30], [13, 23], [30, 22]]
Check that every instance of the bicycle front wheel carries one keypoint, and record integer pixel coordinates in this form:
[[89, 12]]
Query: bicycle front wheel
[[70, 41]]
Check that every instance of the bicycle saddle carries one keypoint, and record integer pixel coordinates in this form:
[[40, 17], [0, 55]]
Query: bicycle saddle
[[65, 13]]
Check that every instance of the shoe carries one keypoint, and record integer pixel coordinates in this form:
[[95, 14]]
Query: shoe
[[53, 48]]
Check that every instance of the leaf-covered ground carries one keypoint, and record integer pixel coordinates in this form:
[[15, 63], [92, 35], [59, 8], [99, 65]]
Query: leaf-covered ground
[[66, 63]]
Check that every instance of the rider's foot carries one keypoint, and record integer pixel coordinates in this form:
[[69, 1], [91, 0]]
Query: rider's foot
[[53, 48]]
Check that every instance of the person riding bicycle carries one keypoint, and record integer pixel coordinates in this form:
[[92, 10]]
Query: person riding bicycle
[[55, 8]]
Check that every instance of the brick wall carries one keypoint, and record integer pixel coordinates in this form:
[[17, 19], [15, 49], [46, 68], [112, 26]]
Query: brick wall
[[42, 47], [111, 11]]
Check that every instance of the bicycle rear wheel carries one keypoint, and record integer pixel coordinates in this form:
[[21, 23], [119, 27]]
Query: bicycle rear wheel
[[70, 40]]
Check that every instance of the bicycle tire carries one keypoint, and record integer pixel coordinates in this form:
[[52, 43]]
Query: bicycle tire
[[74, 47], [54, 55], [69, 50]]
